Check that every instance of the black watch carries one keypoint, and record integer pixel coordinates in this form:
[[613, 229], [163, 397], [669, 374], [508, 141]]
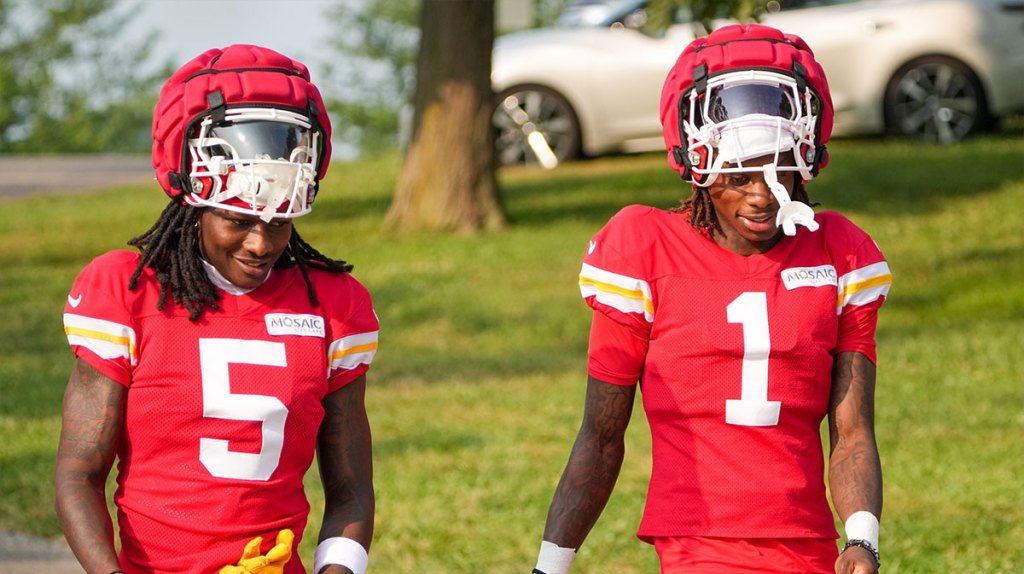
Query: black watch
[[865, 545]]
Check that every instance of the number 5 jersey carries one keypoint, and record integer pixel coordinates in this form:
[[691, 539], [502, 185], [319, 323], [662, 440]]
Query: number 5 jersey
[[733, 356], [222, 413]]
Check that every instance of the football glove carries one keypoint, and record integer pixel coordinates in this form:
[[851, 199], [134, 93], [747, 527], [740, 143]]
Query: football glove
[[252, 562]]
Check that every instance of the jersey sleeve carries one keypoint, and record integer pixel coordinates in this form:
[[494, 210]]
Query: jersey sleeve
[[97, 316], [863, 284], [614, 285], [353, 332]]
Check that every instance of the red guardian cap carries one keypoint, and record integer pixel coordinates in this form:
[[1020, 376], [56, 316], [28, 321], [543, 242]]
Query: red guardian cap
[[742, 92], [242, 128]]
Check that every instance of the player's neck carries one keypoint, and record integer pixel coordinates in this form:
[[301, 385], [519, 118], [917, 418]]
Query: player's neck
[[222, 283]]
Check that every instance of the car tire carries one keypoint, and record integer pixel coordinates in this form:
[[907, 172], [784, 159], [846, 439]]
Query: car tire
[[935, 99], [521, 110]]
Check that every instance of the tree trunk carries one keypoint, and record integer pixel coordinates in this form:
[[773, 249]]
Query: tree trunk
[[447, 181]]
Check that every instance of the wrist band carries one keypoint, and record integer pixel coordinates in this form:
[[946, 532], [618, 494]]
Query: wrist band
[[342, 551], [862, 530], [862, 525], [554, 559]]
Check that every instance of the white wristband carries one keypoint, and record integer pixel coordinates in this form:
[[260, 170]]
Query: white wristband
[[862, 525], [343, 551], [554, 559]]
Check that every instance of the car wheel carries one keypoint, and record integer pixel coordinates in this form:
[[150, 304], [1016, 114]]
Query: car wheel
[[935, 99], [534, 125]]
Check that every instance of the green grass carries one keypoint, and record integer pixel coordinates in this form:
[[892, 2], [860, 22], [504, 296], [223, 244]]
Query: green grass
[[476, 393]]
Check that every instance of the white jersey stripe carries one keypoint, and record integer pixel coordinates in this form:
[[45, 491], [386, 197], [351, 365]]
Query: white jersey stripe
[[864, 285], [351, 351], [627, 294], [107, 339]]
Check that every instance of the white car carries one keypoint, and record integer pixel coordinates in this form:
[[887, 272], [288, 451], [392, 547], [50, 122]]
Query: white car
[[938, 70]]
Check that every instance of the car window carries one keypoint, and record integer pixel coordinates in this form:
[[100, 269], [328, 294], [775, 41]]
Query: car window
[[783, 5]]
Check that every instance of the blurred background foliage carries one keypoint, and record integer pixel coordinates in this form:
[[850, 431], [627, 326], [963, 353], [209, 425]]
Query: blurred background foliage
[[71, 82], [66, 85]]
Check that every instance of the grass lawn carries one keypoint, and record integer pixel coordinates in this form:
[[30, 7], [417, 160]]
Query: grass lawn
[[476, 392]]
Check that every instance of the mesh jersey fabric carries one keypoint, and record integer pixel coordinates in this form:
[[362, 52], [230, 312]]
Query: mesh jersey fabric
[[701, 329], [222, 414]]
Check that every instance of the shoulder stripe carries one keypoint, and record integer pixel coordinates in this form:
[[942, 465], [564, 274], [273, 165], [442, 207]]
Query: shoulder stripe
[[351, 351], [627, 294], [107, 339], [864, 285]]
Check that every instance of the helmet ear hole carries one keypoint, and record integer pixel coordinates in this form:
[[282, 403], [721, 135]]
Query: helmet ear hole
[[697, 159], [202, 186]]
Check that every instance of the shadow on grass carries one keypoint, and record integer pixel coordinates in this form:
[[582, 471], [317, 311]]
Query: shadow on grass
[[876, 176], [892, 176], [581, 193]]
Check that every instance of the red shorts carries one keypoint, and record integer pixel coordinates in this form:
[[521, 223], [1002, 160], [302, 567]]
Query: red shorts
[[702, 555]]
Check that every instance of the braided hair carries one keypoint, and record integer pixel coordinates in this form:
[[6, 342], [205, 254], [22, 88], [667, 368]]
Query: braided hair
[[171, 249], [702, 211]]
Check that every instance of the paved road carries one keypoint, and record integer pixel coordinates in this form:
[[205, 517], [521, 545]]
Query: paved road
[[28, 175], [22, 176], [21, 554]]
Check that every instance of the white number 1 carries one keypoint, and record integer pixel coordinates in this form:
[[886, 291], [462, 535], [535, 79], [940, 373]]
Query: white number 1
[[753, 407], [220, 403]]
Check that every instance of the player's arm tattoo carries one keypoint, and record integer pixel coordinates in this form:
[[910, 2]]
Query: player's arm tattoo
[[593, 466], [92, 420], [855, 470], [345, 457]]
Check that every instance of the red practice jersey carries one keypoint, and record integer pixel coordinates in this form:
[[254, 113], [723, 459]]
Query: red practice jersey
[[734, 356], [222, 414]]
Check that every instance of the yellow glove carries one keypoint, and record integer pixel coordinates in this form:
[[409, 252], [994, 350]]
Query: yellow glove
[[252, 562]]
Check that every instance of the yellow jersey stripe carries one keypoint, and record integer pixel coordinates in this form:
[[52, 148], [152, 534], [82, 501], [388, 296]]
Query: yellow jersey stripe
[[121, 340], [853, 288], [609, 288], [631, 294], [342, 353]]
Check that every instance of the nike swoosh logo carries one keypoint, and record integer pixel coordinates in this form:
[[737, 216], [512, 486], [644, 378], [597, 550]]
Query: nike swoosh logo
[[74, 301], [593, 246]]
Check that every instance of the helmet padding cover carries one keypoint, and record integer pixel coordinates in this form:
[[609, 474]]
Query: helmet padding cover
[[735, 48], [218, 79]]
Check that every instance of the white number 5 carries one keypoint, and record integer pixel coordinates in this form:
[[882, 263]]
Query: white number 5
[[753, 407], [220, 403]]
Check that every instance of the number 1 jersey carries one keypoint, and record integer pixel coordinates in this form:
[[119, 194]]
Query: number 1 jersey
[[733, 356], [222, 413]]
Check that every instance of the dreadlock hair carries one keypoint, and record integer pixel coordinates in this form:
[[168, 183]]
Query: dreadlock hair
[[702, 210], [171, 249]]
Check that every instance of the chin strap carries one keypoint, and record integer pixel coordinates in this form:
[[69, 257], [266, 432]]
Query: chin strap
[[791, 213]]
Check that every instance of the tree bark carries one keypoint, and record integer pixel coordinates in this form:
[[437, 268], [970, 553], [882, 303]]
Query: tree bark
[[448, 180]]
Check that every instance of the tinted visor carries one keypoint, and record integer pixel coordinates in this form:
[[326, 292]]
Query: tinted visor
[[731, 102], [262, 140]]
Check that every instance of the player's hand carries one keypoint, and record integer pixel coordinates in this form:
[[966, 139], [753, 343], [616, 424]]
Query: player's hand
[[252, 562], [856, 560]]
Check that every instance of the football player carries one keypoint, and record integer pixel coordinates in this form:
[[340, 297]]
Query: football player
[[213, 362], [746, 319]]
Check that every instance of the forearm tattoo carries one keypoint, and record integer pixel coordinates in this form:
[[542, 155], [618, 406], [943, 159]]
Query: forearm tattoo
[[855, 474], [346, 465], [93, 415], [593, 466]]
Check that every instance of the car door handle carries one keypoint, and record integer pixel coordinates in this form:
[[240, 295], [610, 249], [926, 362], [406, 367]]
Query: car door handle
[[873, 26]]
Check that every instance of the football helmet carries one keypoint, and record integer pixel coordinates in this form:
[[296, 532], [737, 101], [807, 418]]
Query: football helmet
[[242, 129], [747, 91]]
